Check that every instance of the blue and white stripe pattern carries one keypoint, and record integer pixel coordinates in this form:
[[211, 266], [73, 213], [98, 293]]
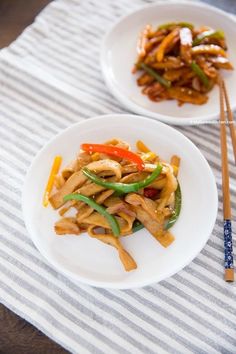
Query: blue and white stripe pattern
[[50, 78], [228, 244]]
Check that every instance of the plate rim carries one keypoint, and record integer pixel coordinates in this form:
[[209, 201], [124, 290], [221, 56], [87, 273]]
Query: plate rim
[[134, 107], [104, 284]]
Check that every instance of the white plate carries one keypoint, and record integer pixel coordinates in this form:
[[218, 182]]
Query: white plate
[[95, 263], [118, 55]]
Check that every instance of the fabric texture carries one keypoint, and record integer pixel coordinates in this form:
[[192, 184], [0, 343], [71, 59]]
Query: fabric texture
[[50, 78]]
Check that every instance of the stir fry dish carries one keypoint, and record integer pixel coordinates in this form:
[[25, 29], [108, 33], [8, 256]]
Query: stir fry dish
[[179, 62], [110, 192]]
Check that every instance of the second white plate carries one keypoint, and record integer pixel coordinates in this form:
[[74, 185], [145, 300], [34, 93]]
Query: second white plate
[[118, 55]]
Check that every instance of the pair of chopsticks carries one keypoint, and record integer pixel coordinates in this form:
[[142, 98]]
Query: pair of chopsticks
[[228, 241]]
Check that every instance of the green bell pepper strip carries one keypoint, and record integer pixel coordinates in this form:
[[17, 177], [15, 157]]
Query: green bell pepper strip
[[208, 34], [153, 73], [99, 208], [137, 226], [200, 73], [180, 24], [177, 209], [123, 187]]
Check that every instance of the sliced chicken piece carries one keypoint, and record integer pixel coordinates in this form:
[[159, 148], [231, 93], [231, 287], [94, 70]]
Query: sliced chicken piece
[[147, 204], [156, 229], [126, 259], [67, 226], [77, 179]]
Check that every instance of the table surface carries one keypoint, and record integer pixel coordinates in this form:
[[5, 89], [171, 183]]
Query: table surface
[[16, 334]]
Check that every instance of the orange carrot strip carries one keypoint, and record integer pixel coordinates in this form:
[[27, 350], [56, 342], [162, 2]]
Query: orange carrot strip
[[54, 170], [141, 146]]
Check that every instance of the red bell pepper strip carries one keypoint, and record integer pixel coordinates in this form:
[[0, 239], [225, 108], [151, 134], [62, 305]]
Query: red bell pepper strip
[[115, 151], [150, 192]]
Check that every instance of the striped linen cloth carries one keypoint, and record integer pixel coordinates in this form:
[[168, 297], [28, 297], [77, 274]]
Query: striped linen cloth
[[50, 78]]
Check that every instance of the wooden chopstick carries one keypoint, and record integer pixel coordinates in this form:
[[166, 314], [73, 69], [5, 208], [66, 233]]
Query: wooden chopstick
[[228, 242], [230, 120]]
